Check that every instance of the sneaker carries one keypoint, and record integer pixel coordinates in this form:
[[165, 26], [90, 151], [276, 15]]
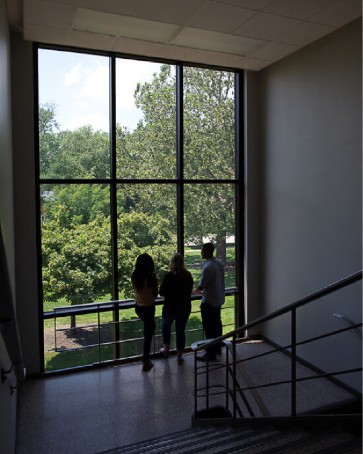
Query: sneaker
[[164, 352], [180, 359]]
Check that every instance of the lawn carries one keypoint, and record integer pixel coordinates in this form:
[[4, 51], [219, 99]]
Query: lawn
[[65, 347]]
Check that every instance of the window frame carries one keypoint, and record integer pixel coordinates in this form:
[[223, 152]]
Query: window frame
[[179, 181]]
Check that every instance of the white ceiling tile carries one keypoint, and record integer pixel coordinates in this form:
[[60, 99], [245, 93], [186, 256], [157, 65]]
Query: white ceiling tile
[[49, 14], [200, 56], [136, 47], [126, 26], [266, 26], [218, 32], [124, 7], [43, 34], [90, 40], [64, 2], [173, 11], [340, 13], [299, 9], [251, 4], [273, 51], [214, 41], [254, 64], [220, 17], [304, 34]]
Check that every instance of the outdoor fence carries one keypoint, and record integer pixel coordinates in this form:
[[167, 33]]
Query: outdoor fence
[[96, 333]]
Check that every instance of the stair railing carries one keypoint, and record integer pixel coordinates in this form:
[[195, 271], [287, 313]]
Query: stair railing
[[206, 370]]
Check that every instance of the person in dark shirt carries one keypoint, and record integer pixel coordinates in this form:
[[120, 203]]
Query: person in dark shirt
[[176, 288]]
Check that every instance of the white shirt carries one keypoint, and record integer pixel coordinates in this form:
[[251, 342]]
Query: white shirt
[[212, 282]]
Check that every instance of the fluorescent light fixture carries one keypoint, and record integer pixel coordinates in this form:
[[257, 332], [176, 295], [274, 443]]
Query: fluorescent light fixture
[[123, 26], [217, 42]]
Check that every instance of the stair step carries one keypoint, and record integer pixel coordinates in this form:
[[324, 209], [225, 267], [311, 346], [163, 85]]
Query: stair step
[[245, 440]]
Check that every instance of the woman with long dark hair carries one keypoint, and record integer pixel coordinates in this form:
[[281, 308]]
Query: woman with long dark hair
[[176, 288], [145, 284]]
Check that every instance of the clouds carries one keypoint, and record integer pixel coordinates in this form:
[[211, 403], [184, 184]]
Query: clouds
[[78, 84], [73, 76]]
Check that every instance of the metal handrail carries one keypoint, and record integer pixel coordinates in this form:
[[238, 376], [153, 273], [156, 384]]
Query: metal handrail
[[352, 327], [292, 309], [112, 307], [105, 306], [284, 310]]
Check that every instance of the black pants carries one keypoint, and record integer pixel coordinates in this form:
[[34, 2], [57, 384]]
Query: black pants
[[147, 314], [212, 325]]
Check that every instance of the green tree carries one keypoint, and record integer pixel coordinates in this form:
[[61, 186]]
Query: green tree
[[76, 260], [48, 139], [209, 145], [83, 153]]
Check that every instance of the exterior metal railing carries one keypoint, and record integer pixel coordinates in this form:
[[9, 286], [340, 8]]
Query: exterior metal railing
[[231, 385], [110, 337]]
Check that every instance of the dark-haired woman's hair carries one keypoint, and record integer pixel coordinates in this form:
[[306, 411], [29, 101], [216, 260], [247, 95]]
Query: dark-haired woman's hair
[[144, 271]]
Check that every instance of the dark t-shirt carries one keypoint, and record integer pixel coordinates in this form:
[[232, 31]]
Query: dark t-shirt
[[177, 289]]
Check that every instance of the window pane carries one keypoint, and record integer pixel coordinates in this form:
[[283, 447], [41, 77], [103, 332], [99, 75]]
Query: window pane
[[76, 253], [73, 115], [146, 223], [209, 138], [209, 216], [146, 125]]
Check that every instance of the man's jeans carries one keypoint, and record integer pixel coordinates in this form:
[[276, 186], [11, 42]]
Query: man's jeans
[[212, 325]]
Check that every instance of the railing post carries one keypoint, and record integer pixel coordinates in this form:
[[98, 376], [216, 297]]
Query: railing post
[[207, 384], [99, 334], [293, 362], [116, 330], [227, 376], [234, 371], [55, 330], [195, 384]]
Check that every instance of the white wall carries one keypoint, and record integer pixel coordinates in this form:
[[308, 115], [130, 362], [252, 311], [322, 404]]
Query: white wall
[[311, 197]]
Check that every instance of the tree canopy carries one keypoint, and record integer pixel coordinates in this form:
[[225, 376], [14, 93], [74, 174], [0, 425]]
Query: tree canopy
[[76, 226]]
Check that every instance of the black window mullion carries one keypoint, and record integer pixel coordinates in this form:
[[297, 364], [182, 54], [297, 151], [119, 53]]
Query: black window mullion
[[180, 157], [113, 203], [113, 187], [239, 200]]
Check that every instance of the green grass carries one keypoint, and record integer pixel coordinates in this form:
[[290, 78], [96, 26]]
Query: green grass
[[129, 327]]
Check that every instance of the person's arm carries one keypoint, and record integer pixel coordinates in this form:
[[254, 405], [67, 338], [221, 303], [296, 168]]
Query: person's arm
[[204, 279]]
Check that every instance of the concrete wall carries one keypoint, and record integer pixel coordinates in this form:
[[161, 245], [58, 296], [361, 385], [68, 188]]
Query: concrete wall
[[27, 303], [311, 198], [8, 403]]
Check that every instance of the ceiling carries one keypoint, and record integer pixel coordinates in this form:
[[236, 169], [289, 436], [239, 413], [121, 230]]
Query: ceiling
[[246, 34]]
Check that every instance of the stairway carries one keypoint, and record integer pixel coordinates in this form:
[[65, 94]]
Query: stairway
[[234, 440]]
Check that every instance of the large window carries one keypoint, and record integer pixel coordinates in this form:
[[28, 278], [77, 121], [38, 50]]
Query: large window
[[134, 156]]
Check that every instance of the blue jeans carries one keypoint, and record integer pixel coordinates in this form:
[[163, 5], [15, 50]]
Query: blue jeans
[[180, 323], [147, 314]]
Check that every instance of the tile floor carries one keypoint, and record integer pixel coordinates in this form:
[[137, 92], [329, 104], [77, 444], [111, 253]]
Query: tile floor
[[89, 412], [93, 411]]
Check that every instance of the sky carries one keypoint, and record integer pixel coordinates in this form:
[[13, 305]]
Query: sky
[[78, 84]]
